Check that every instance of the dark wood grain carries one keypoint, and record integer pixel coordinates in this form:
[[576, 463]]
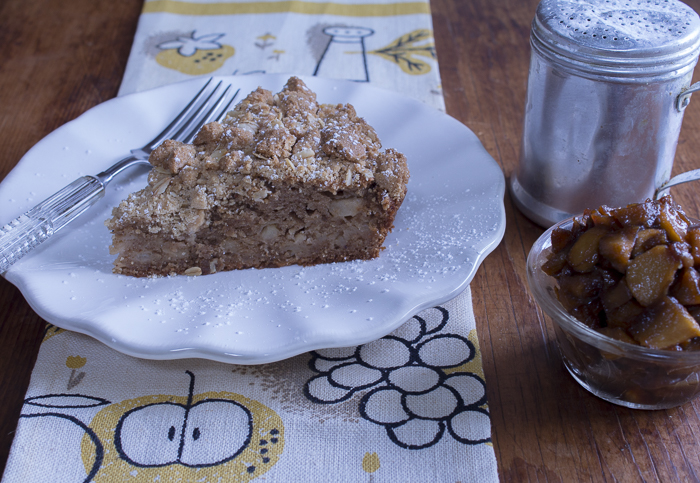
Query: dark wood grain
[[59, 59], [545, 427]]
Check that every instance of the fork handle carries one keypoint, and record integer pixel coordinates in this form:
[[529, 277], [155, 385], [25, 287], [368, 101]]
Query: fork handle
[[29, 230]]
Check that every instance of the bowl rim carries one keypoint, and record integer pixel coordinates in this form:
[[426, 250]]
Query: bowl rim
[[539, 282]]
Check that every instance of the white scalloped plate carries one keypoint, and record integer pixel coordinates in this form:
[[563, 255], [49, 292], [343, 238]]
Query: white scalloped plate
[[452, 218]]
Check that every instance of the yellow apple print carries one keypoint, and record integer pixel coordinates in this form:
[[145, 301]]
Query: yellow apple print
[[207, 437], [194, 55]]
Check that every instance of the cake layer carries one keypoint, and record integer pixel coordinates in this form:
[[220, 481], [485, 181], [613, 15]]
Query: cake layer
[[281, 180]]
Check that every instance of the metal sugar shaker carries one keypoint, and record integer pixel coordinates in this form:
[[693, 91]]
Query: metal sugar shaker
[[608, 83]]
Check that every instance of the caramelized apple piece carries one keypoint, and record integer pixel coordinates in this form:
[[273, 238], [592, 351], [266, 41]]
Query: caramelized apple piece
[[603, 216], [671, 221], [693, 238], [682, 251], [625, 315], [610, 277], [649, 238], [617, 247], [650, 274], [561, 239], [666, 324], [695, 312], [616, 296], [633, 270], [555, 263], [582, 286], [583, 255], [687, 288], [642, 214]]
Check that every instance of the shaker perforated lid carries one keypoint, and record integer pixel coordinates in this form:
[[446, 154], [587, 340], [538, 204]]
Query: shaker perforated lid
[[618, 38]]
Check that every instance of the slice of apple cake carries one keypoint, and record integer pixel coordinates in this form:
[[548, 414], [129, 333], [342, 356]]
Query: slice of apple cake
[[281, 180]]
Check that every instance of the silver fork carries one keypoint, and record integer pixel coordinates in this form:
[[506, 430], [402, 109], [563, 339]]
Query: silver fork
[[29, 230]]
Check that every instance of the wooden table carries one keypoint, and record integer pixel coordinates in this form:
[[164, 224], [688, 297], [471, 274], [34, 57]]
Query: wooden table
[[58, 60]]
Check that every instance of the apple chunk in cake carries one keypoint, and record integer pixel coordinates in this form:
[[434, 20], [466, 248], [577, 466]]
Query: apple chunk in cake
[[281, 180]]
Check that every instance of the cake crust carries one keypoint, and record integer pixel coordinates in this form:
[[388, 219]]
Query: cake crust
[[280, 180]]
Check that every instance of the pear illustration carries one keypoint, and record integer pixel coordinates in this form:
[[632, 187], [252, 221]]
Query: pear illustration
[[205, 437]]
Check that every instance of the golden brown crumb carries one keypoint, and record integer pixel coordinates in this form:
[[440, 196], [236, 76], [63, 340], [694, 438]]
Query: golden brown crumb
[[277, 166]]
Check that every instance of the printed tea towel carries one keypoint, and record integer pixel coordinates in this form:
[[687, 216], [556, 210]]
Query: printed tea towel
[[387, 43], [408, 407]]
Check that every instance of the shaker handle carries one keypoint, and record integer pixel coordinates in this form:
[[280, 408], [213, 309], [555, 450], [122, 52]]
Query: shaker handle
[[682, 102], [683, 98]]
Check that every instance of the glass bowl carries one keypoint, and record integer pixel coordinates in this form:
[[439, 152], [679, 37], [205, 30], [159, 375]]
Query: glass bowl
[[618, 372]]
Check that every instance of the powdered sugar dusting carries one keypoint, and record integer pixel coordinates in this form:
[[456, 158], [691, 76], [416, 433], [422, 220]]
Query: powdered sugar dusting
[[431, 246]]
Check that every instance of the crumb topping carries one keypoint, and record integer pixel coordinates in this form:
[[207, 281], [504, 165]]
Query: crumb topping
[[265, 141]]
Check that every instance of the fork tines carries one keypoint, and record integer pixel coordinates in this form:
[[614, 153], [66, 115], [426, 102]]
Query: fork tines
[[219, 108], [211, 103]]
